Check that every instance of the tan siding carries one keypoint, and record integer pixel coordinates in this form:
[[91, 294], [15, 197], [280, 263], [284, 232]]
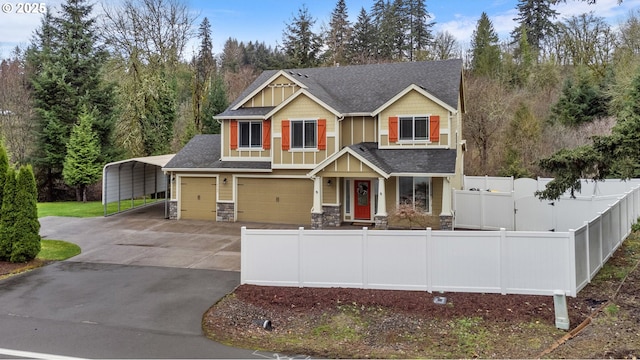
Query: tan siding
[[302, 108], [225, 191], [358, 129], [348, 166], [413, 103], [329, 192], [273, 95], [226, 147]]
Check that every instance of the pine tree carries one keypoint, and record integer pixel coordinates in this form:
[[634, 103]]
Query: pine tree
[[301, 44], [580, 101], [81, 165], [338, 36], [26, 244], [485, 49], [420, 36], [535, 17], [204, 68], [363, 40], [67, 65], [8, 215]]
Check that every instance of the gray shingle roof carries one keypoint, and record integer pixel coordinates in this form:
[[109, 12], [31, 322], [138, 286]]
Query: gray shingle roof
[[408, 161], [364, 88], [203, 152]]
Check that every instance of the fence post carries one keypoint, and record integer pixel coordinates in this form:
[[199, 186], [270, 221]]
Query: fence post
[[588, 246], [243, 255], [429, 256], [300, 256], [365, 245], [504, 256], [571, 266]]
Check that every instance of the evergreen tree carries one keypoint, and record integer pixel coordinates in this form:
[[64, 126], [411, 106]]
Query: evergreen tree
[[386, 25], [4, 169], [26, 244], [216, 103], [615, 155], [67, 65], [580, 101], [420, 36], [338, 37], [8, 215], [301, 44], [81, 165], [485, 49], [535, 18], [204, 68], [363, 40]]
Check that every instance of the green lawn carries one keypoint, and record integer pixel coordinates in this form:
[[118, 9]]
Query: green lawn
[[57, 250], [80, 209]]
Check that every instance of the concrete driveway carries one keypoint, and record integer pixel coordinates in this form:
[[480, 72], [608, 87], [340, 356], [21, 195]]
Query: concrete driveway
[[143, 237]]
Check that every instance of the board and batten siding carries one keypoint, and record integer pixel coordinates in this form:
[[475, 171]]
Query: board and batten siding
[[273, 94], [357, 129]]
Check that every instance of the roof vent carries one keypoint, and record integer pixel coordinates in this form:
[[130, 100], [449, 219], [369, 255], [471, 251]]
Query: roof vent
[[305, 75], [299, 74]]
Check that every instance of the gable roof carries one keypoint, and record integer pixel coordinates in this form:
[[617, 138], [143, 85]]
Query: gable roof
[[202, 153], [396, 162], [362, 89]]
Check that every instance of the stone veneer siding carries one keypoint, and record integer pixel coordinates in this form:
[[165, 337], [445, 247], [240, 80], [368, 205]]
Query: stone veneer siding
[[330, 217], [173, 210], [446, 222], [225, 212], [382, 222]]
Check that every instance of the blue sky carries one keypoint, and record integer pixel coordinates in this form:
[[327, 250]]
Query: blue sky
[[264, 20]]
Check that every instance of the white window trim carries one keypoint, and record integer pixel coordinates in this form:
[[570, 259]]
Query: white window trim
[[251, 148], [413, 140], [302, 149], [430, 184]]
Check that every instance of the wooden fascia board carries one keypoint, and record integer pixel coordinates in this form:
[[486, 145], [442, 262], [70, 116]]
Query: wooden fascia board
[[265, 84], [420, 91]]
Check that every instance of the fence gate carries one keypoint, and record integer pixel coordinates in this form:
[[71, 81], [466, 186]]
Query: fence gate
[[534, 214]]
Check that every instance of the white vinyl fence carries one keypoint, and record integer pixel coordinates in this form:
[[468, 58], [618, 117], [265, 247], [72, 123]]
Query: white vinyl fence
[[491, 203], [506, 262]]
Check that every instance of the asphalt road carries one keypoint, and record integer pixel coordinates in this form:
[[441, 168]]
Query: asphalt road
[[138, 290], [113, 311]]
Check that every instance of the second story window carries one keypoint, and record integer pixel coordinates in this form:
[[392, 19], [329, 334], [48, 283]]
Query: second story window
[[303, 134], [414, 128], [250, 134]]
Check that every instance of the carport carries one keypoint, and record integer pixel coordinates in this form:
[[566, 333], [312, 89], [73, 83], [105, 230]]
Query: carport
[[135, 182]]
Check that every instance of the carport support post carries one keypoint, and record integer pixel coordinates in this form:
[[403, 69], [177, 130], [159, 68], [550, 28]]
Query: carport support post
[[562, 312]]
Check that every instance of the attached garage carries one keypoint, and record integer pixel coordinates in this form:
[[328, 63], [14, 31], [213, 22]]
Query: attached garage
[[198, 198], [274, 200]]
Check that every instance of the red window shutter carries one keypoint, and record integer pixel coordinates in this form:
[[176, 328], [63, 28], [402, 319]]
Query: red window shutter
[[266, 134], [233, 134], [322, 134], [393, 129], [285, 134], [434, 128]]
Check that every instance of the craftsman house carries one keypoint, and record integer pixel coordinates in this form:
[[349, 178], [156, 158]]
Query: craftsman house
[[331, 145]]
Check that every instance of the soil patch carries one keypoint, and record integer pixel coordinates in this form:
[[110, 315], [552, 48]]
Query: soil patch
[[9, 268]]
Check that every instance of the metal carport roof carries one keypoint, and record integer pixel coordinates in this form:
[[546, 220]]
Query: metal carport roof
[[135, 178]]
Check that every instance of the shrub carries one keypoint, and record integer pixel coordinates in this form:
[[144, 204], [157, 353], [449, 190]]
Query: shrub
[[8, 215], [26, 244]]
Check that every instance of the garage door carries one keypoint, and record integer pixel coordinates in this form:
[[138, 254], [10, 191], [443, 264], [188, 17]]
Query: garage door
[[198, 198], [286, 201]]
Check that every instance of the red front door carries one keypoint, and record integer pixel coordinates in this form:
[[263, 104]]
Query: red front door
[[362, 199]]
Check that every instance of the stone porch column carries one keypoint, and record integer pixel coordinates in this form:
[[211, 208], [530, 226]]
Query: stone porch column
[[381, 219], [446, 216]]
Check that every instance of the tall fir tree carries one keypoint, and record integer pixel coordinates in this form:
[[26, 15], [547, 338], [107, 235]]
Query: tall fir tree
[[362, 47], [8, 215], [81, 165], [301, 44], [217, 102], [338, 36], [420, 35], [67, 72], [204, 68], [536, 19], [26, 244], [485, 50], [4, 169]]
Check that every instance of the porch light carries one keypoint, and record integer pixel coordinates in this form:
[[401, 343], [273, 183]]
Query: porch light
[[224, 181], [329, 182]]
